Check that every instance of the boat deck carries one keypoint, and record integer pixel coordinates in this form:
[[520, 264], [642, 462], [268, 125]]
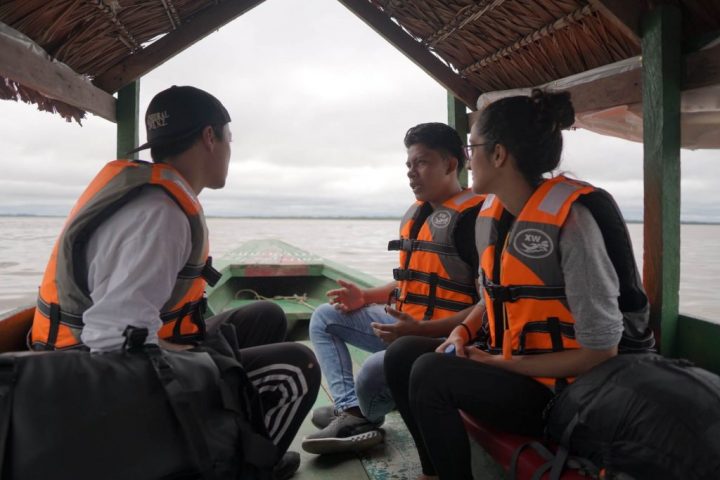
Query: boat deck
[[396, 458], [297, 282]]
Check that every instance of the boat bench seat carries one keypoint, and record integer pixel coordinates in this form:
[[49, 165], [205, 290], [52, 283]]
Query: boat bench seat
[[501, 446]]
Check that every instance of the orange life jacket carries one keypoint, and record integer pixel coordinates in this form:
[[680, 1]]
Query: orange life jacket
[[433, 280], [63, 296], [522, 278]]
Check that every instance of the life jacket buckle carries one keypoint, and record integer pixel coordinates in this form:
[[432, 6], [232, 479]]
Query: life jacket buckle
[[134, 338], [210, 275], [499, 293], [401, 274], [404, 244]]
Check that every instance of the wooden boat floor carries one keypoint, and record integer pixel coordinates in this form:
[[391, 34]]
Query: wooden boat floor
[[396, 458]]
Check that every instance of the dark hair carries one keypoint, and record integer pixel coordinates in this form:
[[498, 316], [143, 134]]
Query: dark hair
[[529, 127], [440, 137], [161, 153]]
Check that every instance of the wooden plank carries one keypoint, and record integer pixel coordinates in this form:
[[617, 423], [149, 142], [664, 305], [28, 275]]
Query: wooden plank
[[397, 457], [702, 69], [191, 31], [458, 119], [624, 15], [414, 50], [128, 123], [661, 138], [55, 80]]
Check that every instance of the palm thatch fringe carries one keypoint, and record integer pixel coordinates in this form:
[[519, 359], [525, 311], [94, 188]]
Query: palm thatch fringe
[[10, 90]]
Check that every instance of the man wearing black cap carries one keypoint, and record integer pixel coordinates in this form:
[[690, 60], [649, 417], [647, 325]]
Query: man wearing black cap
[[134, 251]]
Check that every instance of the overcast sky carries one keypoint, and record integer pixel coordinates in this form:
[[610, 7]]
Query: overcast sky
[[320, 104]]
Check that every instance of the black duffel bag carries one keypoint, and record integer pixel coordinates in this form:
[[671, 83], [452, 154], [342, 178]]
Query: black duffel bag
[[143, 413], [642, 416]]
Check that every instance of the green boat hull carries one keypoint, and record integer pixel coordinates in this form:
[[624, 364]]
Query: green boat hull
[[273, 270]]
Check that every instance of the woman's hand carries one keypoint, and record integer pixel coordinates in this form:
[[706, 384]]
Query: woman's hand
[[348, 298], [387, 332], [457, 337]]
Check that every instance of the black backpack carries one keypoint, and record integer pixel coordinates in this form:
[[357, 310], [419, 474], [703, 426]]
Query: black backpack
[[642, 416], [143, 413]]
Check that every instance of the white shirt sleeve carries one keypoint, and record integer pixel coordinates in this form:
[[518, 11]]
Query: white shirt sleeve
[[133, 259]]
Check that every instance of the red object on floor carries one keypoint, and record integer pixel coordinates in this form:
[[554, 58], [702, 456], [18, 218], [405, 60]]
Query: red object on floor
[[501, 446]]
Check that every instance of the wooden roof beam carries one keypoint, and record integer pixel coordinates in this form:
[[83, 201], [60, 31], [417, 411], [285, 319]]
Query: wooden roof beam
[[414, 50], [624, 15], [701, 69], [36, 70], [191, 31], [172, 14]]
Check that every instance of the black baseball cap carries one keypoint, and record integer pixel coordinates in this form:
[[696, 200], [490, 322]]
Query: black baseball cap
[[179, 113]]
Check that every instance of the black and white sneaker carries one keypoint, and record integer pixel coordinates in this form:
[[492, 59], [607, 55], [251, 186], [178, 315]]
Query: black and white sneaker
[[322, 416], [345, 433]]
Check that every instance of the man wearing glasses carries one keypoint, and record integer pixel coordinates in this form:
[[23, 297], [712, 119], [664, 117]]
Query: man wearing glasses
[[436, 280]]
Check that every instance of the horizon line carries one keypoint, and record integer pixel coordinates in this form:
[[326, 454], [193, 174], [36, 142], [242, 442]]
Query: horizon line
[[322, 217]]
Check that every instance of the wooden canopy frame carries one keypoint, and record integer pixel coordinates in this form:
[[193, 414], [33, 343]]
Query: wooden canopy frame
[[456, 45]]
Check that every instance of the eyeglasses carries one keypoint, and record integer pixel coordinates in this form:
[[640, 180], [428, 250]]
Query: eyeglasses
[[469, 148]]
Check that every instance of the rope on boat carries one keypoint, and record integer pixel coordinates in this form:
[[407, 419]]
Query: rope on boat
[[301, 299]]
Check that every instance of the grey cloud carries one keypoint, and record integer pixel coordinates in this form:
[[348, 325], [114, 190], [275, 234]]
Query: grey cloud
[[319, 103]]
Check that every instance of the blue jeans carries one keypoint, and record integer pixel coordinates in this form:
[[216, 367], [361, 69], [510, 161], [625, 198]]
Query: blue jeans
[[330, 331]]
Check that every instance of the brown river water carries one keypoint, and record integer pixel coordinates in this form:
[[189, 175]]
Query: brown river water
[[26, 242]]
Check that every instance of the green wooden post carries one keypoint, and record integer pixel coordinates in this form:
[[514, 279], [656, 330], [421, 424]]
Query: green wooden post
[[128, 113], [458, 119], [661, 77]]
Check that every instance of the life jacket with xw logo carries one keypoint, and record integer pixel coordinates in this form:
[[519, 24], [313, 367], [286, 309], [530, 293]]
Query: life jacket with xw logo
[[433, 280], [64, 295], [522, 278]]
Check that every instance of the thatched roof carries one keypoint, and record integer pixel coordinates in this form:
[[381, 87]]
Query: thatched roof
[[469, 46]]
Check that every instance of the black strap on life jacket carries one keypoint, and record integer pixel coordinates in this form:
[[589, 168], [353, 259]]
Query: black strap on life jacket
[[179, 318], [512, 293], [182, 311], [503, 227], [205, 270], [57, 316], [54, 316], [445, 283], [412, 245], [451, 305], [432, 297], [419, 218]]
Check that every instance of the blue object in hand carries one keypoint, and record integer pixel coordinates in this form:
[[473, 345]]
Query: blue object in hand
[[450, 350]]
